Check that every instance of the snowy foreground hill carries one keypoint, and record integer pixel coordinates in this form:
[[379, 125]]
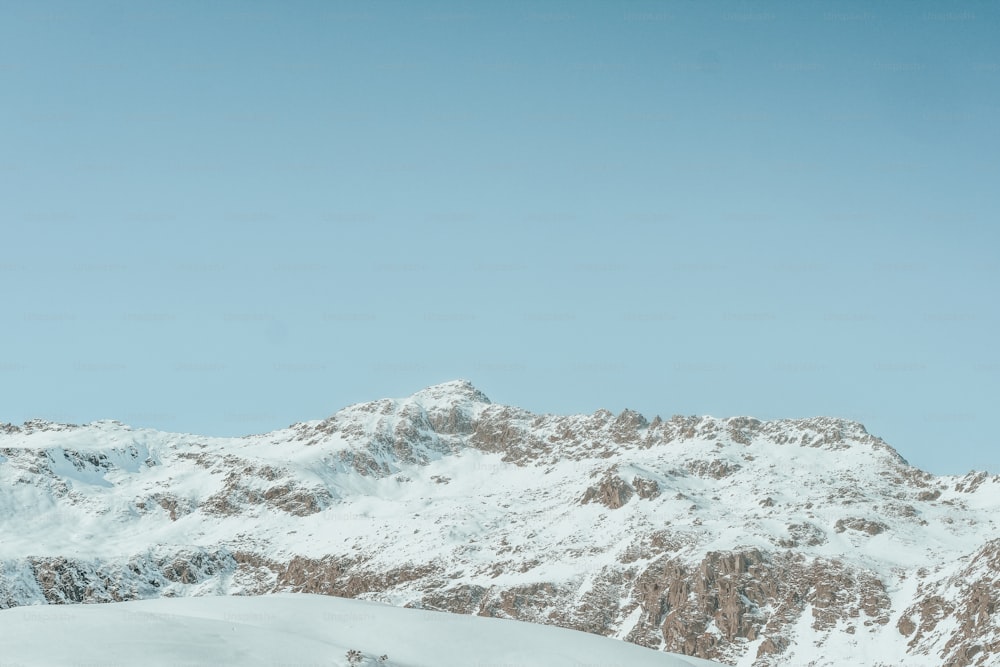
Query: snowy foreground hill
[[301, 630], [788, 542]]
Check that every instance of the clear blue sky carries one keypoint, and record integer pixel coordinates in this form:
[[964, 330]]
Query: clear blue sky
[[225, 217]]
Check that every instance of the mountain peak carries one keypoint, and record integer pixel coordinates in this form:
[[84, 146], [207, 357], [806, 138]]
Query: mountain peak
[[453, 391]]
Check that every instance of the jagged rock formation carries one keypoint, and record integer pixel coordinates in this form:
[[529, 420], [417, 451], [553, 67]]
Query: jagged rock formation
[[787, 542]]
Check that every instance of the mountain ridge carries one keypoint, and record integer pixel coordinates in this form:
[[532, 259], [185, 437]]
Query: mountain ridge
[[745, 541]]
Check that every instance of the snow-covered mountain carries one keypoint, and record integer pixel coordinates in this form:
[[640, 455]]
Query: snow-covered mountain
[[787, 542]]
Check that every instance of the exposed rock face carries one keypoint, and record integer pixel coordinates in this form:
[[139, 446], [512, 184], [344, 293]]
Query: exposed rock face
[[612, 491], [714, 469], [968, 599], [646, 488], [60, 580], [861, 525], [789, 542], [733, 598], [805, 534]]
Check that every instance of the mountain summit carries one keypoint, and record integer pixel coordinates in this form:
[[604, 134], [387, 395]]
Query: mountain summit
[[749, 542], [456, 391]]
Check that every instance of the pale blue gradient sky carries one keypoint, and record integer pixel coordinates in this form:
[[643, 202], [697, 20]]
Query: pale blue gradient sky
[[226, 217]]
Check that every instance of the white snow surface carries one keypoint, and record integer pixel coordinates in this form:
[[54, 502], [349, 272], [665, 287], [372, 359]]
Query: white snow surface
[[298, 629]]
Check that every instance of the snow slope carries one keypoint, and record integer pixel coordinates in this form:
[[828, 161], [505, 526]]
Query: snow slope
[[297, 630]]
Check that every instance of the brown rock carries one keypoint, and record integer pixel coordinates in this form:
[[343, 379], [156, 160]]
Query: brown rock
[[612, 491]]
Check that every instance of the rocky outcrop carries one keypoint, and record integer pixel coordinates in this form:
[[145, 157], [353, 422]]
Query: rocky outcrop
[[861, 525], [966, 605], [62, 580], [803, 534], [612, 491], [730, 599], [715, 469]]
